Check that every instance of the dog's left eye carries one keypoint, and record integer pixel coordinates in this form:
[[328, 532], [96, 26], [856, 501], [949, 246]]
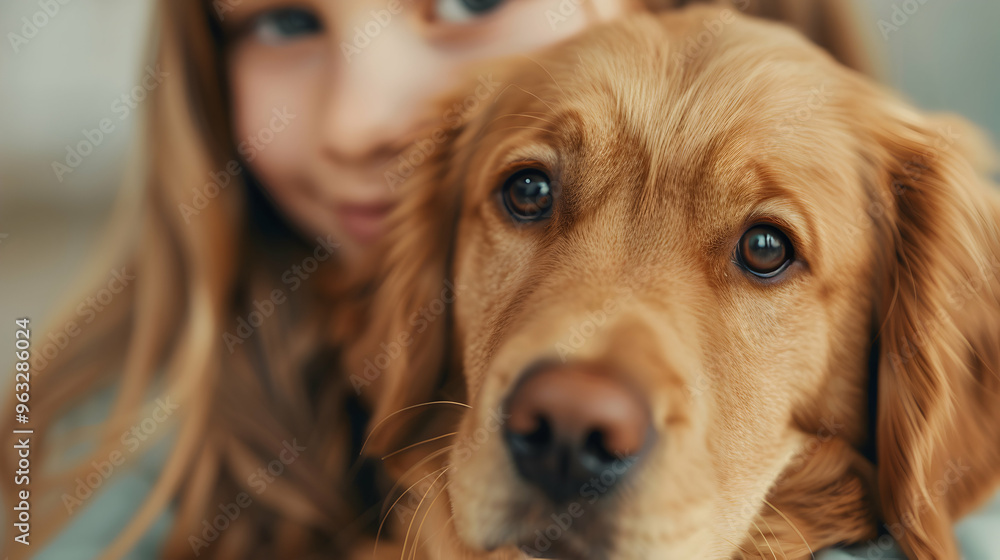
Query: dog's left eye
[[527, 196], [764, 251]]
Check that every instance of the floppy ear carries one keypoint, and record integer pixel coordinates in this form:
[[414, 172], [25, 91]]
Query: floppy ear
[[402, 357], [938, 403]]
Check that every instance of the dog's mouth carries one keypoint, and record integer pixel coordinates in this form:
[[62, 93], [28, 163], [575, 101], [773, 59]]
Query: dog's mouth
[[570, 546], [565, 532]]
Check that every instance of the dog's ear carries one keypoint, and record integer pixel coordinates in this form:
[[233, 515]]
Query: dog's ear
[[401, 358], [937, 429]]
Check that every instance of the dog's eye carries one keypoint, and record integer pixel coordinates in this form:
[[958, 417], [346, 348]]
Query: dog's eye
[[527, 196], [764, 251]]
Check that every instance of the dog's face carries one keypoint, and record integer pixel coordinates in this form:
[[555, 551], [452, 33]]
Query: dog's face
[[670, 239], [670, 228]]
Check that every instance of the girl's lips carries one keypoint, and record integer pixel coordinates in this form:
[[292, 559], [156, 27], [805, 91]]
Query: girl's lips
[[364, 222]]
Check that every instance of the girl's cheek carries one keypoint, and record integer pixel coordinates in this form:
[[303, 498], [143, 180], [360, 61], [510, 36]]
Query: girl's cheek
[[272, 109]]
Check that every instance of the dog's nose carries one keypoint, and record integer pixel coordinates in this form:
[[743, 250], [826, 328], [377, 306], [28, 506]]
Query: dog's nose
[[569, 424]]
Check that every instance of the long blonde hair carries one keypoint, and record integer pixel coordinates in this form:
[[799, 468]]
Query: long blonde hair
[[201, 257]]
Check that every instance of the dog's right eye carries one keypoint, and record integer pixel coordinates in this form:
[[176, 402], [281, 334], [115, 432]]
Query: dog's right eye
[[764, 251], [527, 196]]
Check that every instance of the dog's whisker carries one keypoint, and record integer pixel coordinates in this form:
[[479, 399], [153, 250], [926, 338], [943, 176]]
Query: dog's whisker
[[753, 541], [442, 529], [525, 115], [776, 539], [430, 457], [504, 90], [766, 542], [419, 443], [794, 528], [546, 70], [545, 130], [406, 538], [742, 550], [430, 507], [402, 410], [381, 524]]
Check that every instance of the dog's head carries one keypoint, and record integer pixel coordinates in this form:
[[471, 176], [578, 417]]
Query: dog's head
[[713, 294]]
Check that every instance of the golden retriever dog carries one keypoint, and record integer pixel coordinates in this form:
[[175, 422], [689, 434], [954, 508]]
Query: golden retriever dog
[[686, 288]]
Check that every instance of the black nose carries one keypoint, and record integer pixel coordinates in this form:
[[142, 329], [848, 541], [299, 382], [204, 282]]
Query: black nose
[[570, 424]]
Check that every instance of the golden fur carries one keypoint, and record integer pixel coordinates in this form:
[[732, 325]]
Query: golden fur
[[762, 392]]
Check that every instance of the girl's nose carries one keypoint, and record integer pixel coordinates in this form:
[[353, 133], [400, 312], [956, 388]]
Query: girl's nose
[[378, 100]]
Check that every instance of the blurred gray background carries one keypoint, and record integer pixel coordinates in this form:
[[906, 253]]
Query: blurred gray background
[[63, 80], [945, 56]]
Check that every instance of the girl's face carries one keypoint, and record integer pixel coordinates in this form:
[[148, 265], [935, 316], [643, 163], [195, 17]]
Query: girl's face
[[330, 97]]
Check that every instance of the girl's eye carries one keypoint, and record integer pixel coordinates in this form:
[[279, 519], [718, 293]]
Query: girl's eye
[[286, 24], [460, 11]]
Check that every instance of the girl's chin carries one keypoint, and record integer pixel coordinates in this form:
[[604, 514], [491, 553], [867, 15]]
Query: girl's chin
[[358, 252]]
